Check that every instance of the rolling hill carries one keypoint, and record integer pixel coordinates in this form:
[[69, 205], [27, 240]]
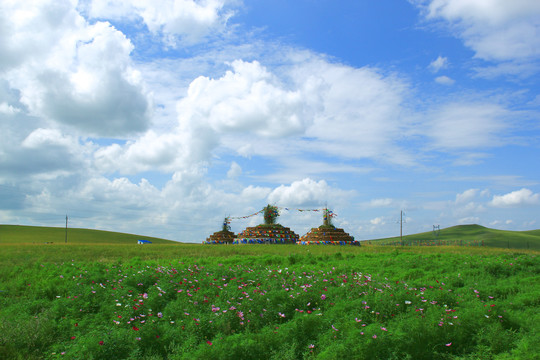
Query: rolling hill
[[455, 235], [473, 235], [14, 234]]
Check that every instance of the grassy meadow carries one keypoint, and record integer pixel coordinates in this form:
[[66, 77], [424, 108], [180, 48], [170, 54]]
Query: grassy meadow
[[472, 235], [101, 296]]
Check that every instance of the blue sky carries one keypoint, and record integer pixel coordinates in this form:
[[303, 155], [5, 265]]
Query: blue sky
[[163, 117]]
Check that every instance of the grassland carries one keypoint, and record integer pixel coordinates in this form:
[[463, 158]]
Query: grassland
[[472, 235], [17, 234], [115, 299]]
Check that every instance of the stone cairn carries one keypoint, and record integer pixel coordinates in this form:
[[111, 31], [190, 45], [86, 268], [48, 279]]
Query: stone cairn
[[327, 234], [225, 236], [268, 233]]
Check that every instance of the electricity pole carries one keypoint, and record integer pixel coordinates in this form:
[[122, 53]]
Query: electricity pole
[[66, 227], [401, 227]]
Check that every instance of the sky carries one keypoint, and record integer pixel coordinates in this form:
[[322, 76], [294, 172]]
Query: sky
[[162, 117]]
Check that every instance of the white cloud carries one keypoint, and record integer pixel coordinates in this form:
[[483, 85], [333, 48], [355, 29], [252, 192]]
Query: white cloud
[[149, 152], [466, 196], [377, 221], [313, 106], [306, 192], [70, 71], [361, 113], [438, 64], [468, 126], [234, 171], [27, 154], [7, 109], [247, 99], [516, 198], [191, 20], [246, 103], [252, 193], [497, 30], [469, 220], [515, 68], [469, 158], [44, 137], [444, 80], [381, 202]]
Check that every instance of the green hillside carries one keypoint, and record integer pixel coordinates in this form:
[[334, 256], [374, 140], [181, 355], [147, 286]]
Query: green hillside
[[472, 235], [17, 234], [456, 235]]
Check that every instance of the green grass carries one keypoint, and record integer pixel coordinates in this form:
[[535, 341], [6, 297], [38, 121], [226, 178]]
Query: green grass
[[17, 234], [474, 235], [123, 301], [102, 296]]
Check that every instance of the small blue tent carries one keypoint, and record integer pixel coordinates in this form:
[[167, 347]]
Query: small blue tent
[[142, 242]]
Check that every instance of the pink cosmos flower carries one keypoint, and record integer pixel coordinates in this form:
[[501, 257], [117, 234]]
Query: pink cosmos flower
[[323, 296], [448, 344]]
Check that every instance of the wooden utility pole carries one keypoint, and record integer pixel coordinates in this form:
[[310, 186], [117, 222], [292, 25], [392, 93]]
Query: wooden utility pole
[[66, 227]]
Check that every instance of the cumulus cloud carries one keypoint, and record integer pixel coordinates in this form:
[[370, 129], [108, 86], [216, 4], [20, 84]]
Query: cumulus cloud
[[247, 98], [248, 105], [309, 106], [70, 71], [27, 153], [516, 198], [150, 152], [190, 20], [306, 192]]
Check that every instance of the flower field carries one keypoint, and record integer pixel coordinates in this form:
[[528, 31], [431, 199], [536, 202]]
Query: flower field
[[353, 304]]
